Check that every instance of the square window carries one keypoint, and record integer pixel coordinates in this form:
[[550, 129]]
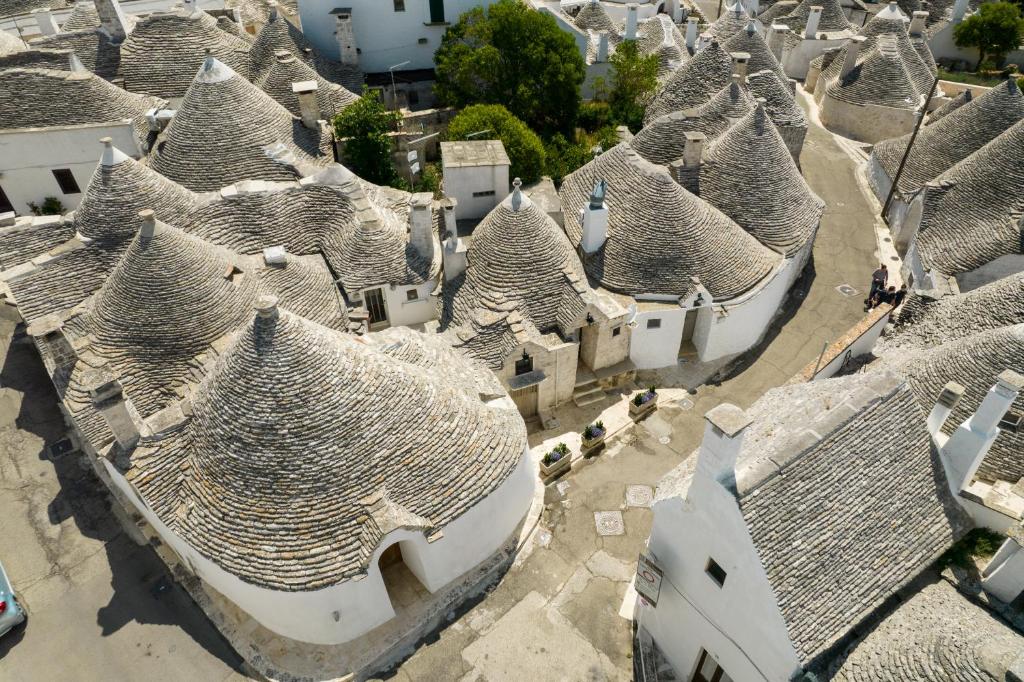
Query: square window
[[66, 181], [654, 323], [488, 193], [412, 295], [716, 572], [616, 331], [399, 5]]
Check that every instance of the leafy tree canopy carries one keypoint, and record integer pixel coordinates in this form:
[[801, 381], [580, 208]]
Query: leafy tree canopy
[[513, 55], [364, 126], [996, 29], [634, 79], [524, 148]]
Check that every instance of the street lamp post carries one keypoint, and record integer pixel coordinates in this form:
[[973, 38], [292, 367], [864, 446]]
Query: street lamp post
[[391, 70]]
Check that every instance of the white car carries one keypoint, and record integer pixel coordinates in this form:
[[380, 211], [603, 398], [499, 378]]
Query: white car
[[11, 612]]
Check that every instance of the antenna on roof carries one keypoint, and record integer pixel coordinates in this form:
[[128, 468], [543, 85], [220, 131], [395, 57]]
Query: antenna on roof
[[517, 194]]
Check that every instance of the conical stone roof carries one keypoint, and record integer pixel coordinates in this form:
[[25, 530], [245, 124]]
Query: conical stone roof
[[279, 34], [749, 40], [952, 138], [833, 18], [734, 19], [10, 44], [750, 176], [693, 83], [119, 188], [83, 16], [660, 235], [300, 435], [662, 37], [593, 17], [226, 129], [288, 69], [881, 77]]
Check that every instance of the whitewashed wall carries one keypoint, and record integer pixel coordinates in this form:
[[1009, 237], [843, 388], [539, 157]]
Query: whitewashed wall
[[405, 313], [461, 183], [797, 59], [1004, 266], [364, 604], [28, 155], [653, 348], [28, 28], [866, 123]]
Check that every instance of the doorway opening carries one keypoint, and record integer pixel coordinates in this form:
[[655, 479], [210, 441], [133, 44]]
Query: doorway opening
[[686, 348], [374, 299], [404, 589]]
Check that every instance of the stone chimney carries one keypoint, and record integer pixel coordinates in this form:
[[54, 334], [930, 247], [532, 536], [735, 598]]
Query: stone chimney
[[454, 252], [112, 20], [720, 448], [631, 21], [739, 65], [108, 399], [1003, 576], [777, 39], [675, 10], [595, 219], [754, 8], [686, 171], [148, 227], [813, 19], [852, 52], [75, 64], [58, 354], [602, 46], [917, 24], [959, 10], [691, 33], [309, 108], [421, 224], [266, 308], [45, 21], [348, 52], [963, 452]]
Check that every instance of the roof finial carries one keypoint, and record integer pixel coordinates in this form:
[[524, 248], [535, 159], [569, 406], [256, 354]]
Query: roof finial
[[208, 61], [517, 194], [111, 154], [751, 27], [266, 307], [759, 115], [597, 196], [75, 64], [148, 227]]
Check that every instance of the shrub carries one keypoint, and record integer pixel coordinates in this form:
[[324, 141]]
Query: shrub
[[980, 542], [594, 116], [50, 206], [364, 126], [523, 146], [995, 29]]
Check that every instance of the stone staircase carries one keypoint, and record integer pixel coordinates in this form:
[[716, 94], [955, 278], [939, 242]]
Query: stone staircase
[[587, 390]]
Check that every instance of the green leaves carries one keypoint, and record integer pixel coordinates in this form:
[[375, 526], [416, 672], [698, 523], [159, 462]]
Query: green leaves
[[634, 80], [364, 127], [525, 150], [996, 29]]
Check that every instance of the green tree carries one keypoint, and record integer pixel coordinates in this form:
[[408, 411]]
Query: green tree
[[512, 55], [523, 146], [996, 29], [634, 78], [364, 126]]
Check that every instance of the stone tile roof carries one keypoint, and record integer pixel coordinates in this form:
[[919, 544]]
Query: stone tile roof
[[660, 36], [520, 266], [785, 113], [778, 208], [659, 235], [972, 213], [83, 15], [734, 19], [254, 12], [57, 60], [937, 634], [226, 129], [279, 34], [229, 26], [165, 50], [97, 52], [952, 105], [693, 83], [32, 237], [833, 18], [281, 477], [952, 138], [119, 188], [881, 77], [974, 362], [39, 98], [11, 7], [844, 499], [287, 69], [749, 40], [593, 17]]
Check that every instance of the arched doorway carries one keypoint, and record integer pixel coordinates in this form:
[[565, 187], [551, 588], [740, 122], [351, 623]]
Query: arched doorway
[[404, 588]]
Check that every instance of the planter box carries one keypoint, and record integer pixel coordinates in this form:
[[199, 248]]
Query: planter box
[[640, 410], [555, 468], [592, 444]]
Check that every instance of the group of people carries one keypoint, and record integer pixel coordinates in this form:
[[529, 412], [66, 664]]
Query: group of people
[[880, 293]]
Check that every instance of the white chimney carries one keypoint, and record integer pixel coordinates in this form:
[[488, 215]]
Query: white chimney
[[959, 10], [347, 50], [739, 65], [693, 152], [454, 252], [675, 10], [421, 224], [595, 219], [266, 307], [45, 21], [753, 7], [1003, 576], [686, 171], [112, 20], [309, 108], [777, 39], [602, 47], [691, 33], [852, 51], [148, 226], [917, 24], [948, 399], [720, 448], [631, 21], [813, 19], [964, 451], [108, 399]]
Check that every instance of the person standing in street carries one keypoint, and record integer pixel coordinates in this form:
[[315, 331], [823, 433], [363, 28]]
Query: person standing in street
[[879, 278]]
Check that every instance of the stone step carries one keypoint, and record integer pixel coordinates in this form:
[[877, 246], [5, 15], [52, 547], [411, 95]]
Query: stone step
[[588, 396]]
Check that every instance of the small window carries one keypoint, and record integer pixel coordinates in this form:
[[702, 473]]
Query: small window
[[412, 295], [437, 11], [489, 193], [66, 181], [708, 670], [654, 323], [616, 331], [399, 5], [716, 572]]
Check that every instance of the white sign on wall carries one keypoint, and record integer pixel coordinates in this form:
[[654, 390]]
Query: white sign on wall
[[648, 579], [412, 156], [415, 168]]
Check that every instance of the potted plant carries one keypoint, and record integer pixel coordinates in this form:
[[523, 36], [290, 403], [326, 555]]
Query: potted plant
[[643, 402], [556, 461], [593, 436]]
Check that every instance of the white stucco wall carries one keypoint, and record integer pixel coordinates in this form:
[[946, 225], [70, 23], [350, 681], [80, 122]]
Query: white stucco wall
[[29, 155], [27, 21], [383, 36], [1004, 266], [403, 312], [867, 123], [796, 59], [558, 361], [738, 623], [653, 348], [461, 183], [361, 605]]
